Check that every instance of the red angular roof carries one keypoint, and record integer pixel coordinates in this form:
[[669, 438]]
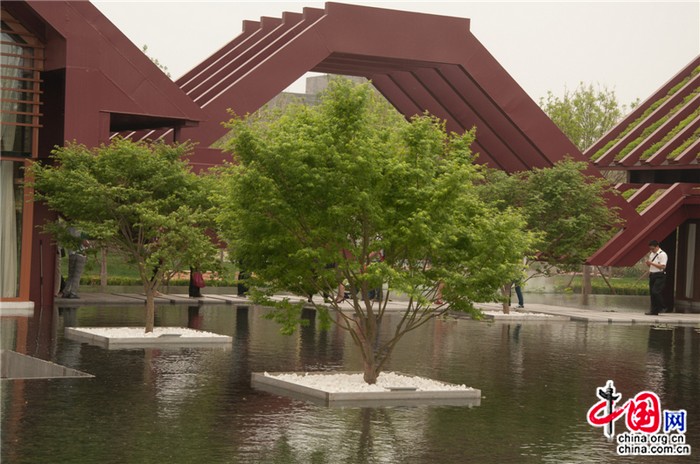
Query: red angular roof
[[663, 132], [661, 135], [106, 74], [663, 209], [419, 62]]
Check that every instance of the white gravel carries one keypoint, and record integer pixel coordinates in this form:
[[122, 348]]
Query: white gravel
[[140, 332], [354, 383]]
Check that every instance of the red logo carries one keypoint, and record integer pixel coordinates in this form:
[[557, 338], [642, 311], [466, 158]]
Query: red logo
[[643, 412]]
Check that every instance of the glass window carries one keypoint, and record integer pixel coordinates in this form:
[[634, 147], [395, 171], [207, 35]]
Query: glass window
[[11, 206], [21, 59], [20, 85]]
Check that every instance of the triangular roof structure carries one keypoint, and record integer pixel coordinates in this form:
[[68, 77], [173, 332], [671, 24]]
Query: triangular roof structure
[[663, 208], [659, 140], [419, 62], [663, 132], [105, 72], [79, 79]]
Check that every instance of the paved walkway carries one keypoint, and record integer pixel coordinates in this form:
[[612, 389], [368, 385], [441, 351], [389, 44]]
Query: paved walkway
[[604, 316], [120, 299], [493, 309]]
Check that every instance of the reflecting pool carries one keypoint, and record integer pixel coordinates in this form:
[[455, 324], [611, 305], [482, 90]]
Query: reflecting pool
[[538, 380]]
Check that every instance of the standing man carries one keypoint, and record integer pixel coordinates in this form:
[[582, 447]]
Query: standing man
[[519, 294], [76, 264], [657, 277]]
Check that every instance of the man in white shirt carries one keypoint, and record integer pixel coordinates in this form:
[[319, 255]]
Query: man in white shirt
[[656, 261]]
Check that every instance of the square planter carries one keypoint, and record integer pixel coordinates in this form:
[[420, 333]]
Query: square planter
[[302, 385], [113, 338]]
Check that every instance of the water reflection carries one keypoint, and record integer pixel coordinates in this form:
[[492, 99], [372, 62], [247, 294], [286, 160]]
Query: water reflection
[[196, 405], [618, 303]]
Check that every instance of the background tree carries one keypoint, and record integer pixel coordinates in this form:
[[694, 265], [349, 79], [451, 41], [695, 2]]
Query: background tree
[[584, 115], [350, 192], [563, 206], [136, 197]]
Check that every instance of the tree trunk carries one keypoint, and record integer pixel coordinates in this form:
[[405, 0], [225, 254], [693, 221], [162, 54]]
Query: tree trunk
[[606, 279], [371, 370], [586, 285], [103, 270], [367, 338], [370, 373], [150, 308], [506, 289]]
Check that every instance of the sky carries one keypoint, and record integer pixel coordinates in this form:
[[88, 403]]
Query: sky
[[629, 47]]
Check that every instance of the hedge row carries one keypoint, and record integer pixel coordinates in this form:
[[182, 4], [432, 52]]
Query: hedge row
[[600, 288], [123, 281], [621, 288]]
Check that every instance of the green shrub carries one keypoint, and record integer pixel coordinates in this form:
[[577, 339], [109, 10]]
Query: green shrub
[[602, 289], [641, 118], [125, 281], [652, 198]]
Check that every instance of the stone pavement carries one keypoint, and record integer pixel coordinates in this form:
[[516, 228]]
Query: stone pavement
[[558, 312], [120, 299], [605, 316]]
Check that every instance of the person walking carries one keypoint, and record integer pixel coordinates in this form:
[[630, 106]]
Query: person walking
[[518, 289], [196, 283], [519, 294], [656, 261]]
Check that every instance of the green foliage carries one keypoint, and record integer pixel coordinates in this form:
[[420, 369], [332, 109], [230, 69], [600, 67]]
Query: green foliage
[[286, 314], [627, 194], [644, 115], [621, 286], [135, 197], [688, 142], [564, 206], [652, 198], [126, 281], [584, 115], [320, 193], [656, 124], [122, 271], [94, 280], [670, 134]]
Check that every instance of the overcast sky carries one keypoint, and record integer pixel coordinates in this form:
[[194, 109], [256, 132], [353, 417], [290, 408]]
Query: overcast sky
[[630, 47]]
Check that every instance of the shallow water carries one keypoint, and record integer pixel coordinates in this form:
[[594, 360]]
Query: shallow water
[[538, 380], [617, 303]]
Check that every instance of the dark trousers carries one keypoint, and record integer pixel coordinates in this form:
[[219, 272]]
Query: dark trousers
[[76, 265], [657, 280], [194, 291], [519, 293]]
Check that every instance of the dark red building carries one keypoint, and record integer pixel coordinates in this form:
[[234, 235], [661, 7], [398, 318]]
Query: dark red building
[[657, 146], [67, 74]]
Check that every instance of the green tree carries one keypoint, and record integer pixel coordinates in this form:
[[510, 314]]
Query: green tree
[[350, 192], [136, 197], [584, 115], [563, 206]]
